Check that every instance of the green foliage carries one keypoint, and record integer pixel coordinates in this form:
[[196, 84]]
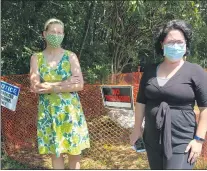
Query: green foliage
[[108, 36], [97, 74]]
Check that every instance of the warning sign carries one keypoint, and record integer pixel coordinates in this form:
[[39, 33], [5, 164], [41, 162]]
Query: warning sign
[[117, 96], [9, 95]]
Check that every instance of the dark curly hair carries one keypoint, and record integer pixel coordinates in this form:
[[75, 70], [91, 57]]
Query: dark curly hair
[[173, 25]]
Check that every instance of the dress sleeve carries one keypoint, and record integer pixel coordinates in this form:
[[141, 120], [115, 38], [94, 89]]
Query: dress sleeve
[[200, 85], [141, 98]]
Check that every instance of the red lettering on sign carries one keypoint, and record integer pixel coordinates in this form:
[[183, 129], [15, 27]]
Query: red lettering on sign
[[115, 91], [118, 98]]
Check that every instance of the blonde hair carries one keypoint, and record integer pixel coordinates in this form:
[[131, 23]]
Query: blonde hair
[[52, 21]]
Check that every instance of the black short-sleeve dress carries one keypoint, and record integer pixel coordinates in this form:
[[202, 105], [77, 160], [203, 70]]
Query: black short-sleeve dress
[[170, 120]]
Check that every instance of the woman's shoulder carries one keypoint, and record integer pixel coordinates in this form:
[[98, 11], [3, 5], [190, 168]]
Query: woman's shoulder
[[70, 53], [36, 55], [193, 66], [195, 69]]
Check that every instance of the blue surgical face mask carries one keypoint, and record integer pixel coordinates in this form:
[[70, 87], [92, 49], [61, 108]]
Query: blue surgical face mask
[[174, 52]]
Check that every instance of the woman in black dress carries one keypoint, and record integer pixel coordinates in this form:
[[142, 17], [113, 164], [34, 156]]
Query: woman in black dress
[[166, 99]]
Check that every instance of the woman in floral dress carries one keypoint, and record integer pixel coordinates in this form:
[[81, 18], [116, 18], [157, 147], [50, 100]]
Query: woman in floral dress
[[55, 74]]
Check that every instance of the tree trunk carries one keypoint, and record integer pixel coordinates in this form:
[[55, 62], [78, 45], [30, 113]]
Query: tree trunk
[[87, 25]]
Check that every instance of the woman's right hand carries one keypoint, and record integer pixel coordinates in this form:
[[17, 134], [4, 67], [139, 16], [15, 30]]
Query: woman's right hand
[[135, 135], [71, 80]]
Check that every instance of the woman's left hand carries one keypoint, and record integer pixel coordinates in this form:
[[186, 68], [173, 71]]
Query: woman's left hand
[[195, 148]]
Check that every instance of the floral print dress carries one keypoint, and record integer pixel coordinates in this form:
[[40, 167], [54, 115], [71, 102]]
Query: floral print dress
[[61, 124]]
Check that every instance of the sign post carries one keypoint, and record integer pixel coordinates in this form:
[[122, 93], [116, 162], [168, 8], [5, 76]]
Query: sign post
[[121, 99], [9, 95]]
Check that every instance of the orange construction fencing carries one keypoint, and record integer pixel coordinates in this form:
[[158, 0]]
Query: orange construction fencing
[[107, 136]]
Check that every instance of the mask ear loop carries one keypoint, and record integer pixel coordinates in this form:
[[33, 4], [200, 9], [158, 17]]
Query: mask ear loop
[[186, 49]]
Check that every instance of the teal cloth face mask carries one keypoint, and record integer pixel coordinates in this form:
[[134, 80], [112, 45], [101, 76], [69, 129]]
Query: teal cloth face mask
[[174, 52]]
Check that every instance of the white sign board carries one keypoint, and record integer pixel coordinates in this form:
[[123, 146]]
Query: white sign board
[[9, 95]]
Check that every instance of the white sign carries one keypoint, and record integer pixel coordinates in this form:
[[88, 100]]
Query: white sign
[[9, 95]]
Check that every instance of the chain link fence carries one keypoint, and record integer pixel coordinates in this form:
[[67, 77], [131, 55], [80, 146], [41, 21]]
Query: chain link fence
[[110, 147]]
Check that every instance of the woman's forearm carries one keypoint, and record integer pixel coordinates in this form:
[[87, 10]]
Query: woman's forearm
[[45, 87], [68, 88], [74, 84], [50, 87], [61, 89], [139, 115], [202, 123]]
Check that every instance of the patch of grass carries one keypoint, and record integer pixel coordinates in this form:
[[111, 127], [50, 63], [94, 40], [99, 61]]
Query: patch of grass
[[115, 157], [9, 164], [109, 150], [88, 163], [201, 164], [110, 157]]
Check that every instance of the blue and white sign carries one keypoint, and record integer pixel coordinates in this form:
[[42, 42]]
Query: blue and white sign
[[9, 95]]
